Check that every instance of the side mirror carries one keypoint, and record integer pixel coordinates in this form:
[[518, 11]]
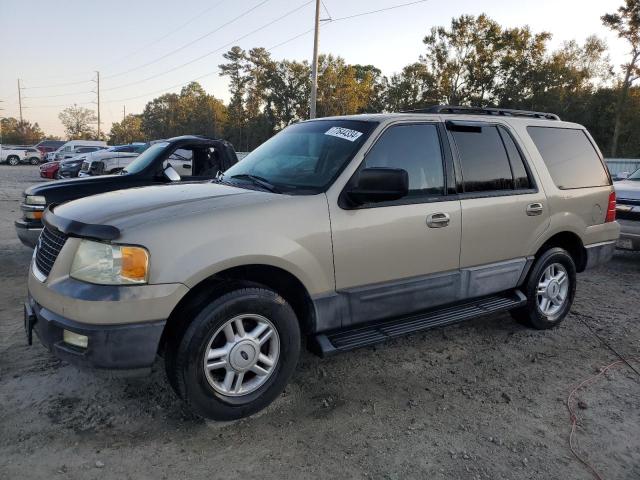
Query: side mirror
[[171, 174], [378, 185]]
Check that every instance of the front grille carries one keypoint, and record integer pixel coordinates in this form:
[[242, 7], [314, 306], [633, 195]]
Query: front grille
[[49, 246]]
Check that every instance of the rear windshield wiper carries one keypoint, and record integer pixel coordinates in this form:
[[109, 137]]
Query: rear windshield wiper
[[260, 181]]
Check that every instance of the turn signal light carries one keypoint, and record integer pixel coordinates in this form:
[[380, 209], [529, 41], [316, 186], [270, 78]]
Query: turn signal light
[[611, 208], [134, 263]]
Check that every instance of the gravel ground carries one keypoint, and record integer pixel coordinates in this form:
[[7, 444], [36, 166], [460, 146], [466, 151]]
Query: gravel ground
[[482, 400]]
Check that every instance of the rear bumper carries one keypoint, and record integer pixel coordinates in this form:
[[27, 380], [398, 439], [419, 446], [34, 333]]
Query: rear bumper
[[130, 346], [599, 253], [28, 233], [629, 235]]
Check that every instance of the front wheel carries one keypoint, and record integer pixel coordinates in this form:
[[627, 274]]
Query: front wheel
[[550, 288], [237, 354], [34, 160]]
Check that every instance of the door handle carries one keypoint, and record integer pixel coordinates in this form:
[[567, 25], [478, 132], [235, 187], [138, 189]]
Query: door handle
[[438, 220], [534, 209]]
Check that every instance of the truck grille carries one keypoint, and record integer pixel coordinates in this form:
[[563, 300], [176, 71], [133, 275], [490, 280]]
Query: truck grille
[[49, 246]]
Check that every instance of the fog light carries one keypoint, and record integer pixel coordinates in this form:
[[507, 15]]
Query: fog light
[[75, 339]]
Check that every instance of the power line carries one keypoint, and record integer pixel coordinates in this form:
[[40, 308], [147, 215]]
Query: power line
[[171, 32], [57, 85], [246, 12], [177, 67]]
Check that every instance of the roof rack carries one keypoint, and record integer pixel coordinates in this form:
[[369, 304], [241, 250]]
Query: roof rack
[[506, 112]]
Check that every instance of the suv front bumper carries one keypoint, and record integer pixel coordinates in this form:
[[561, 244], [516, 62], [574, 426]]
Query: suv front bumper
[[115, 347], [28, 233], [123, 324]]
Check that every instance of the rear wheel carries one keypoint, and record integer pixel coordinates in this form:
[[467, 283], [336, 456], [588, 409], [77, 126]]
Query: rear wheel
[[550, 288], [34, 160], [13, 160], [237, 354]]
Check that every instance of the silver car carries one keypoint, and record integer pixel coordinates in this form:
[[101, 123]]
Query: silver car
[[628, 211]]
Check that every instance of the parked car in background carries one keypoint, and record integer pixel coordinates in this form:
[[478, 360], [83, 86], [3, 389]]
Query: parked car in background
[[348, 231], [17, 155], [70, 167], [628, 211], [186, 158], [46, 146], [32, 156], [49, 169], [74, 147], [110, 161]]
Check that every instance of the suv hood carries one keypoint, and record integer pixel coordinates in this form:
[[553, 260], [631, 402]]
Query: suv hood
[[135, 206], [629, 189]]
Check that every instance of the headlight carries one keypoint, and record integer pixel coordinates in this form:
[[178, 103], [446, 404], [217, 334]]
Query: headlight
[[35, 200], [107, 264]]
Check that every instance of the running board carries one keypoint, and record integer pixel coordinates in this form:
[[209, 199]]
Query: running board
[[327, 344]]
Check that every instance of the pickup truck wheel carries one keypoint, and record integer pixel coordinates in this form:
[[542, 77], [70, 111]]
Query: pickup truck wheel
[[237, 355], [13, 160], [550, 288]]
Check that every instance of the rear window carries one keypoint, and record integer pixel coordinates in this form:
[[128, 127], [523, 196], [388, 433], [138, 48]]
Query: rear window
[[570, 156]]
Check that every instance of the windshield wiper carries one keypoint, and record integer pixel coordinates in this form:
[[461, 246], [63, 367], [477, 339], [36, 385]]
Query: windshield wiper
[[256, 180]]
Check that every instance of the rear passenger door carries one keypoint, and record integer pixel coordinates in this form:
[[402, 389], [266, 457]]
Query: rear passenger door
[[503, 210]]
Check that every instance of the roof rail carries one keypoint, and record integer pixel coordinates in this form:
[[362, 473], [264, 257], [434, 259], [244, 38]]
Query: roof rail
[[506, 112]]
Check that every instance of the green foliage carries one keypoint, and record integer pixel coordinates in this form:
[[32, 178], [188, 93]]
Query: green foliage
[[77, 123], [13, 131], [127, 131]]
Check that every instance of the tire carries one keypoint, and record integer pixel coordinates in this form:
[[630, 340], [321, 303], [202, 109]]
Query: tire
[[552, 277], [208, 391], [34, 160], [13, 160]]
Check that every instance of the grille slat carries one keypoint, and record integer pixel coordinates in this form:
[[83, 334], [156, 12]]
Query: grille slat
[[49, 246]]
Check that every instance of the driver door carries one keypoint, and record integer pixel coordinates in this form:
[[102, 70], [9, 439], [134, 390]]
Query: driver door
[[395, 258]]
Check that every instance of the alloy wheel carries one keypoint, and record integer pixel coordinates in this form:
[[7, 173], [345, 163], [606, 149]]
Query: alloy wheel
[[241, 355]]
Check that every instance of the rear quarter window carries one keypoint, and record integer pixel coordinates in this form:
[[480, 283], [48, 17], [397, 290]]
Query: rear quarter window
[[570, 157]]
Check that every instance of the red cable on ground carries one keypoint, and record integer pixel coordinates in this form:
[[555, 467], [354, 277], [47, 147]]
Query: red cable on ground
[[573, 417]]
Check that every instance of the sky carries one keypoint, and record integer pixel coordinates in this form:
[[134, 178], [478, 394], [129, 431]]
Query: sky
[[55, 47]]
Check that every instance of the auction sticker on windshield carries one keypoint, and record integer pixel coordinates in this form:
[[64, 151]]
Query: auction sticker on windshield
[[345, 133]]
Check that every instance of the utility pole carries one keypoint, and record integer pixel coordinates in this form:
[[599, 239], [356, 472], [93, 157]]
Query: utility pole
[[124, 112], [20, 99], [98, 93], [314, 66]]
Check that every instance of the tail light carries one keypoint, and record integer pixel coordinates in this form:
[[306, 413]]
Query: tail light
[[611, 208]]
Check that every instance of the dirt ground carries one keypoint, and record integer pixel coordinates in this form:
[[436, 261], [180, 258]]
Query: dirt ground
[[481, 400]]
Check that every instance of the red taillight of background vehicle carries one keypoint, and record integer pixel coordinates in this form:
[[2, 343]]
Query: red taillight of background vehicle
[[611, 208]]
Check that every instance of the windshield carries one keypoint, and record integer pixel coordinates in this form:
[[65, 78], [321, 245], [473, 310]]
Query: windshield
[[305, 157], [146, 158], [635, 175]]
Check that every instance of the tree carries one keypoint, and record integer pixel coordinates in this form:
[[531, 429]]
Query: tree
[[77, 122], [127, 131], [19, 133], [236, 69], [626, 23]]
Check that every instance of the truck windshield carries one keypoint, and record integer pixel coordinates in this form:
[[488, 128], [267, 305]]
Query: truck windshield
[[304, 158], [146, 158], [635, 175]]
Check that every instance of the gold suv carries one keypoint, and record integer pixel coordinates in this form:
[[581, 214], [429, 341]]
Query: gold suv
[[346, 231]]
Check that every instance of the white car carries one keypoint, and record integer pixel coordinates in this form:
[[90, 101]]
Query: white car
[[14, 156], [110, 161]]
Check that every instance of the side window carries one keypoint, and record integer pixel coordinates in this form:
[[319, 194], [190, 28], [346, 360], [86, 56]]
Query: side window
[[416, 149], [484, 162], [570, 156], [181, 160], [520, 176]]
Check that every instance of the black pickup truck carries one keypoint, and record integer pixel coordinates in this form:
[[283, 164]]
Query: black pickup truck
[[186, 158]]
